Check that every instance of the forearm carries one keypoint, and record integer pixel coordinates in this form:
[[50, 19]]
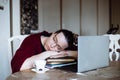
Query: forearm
[[72, 53], [29, 62]]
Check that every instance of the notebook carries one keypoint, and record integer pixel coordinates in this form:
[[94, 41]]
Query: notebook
[[60, 62], [93, 53]]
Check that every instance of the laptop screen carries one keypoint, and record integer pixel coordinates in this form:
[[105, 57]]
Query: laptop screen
[[93, 52]]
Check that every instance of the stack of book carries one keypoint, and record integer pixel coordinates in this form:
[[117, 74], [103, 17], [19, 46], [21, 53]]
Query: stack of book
[[60, 62]]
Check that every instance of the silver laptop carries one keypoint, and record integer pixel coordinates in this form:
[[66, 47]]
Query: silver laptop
[[93, 52]]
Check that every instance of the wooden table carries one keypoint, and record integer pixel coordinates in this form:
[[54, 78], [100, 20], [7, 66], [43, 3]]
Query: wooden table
[[109, 73]]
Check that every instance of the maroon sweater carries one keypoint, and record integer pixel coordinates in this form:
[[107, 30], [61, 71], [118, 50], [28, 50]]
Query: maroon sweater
[[30, 46]]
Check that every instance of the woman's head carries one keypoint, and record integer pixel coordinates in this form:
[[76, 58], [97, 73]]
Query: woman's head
[[69, 36], [59, 40]]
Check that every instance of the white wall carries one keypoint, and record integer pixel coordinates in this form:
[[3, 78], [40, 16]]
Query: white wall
[[15, 20], [84, 17], [4, 35], [71, 15], [88, 17], [94, 17], [16, 17], [103, 16], [49, 15]]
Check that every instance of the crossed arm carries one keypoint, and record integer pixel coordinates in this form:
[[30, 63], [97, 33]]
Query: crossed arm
[[28, 63]]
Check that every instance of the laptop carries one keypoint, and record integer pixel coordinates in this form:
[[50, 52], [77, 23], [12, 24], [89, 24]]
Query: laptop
[[93, 53]]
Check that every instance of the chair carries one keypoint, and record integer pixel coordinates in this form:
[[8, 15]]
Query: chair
[[114, 46], [14, 43]]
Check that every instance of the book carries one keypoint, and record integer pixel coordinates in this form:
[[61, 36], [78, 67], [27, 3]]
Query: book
[[60, 60], [60, 65]]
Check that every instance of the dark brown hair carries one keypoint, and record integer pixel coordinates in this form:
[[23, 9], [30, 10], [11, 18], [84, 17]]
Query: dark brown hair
[[69, 35]]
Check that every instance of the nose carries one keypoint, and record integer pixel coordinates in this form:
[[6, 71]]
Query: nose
[[53, 45]]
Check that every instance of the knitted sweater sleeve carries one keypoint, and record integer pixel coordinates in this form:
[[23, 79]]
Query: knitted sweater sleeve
[[29, 47]]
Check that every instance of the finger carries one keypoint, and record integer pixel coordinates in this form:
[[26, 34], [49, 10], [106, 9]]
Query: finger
[[57, 56]]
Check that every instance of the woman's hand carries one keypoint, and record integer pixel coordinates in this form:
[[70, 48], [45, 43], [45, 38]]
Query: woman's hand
[[61, 54], [47, 54], [28, 63], [66, 53]]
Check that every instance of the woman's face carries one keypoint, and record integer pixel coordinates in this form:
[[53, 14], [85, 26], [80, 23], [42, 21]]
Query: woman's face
[[56, 42]]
